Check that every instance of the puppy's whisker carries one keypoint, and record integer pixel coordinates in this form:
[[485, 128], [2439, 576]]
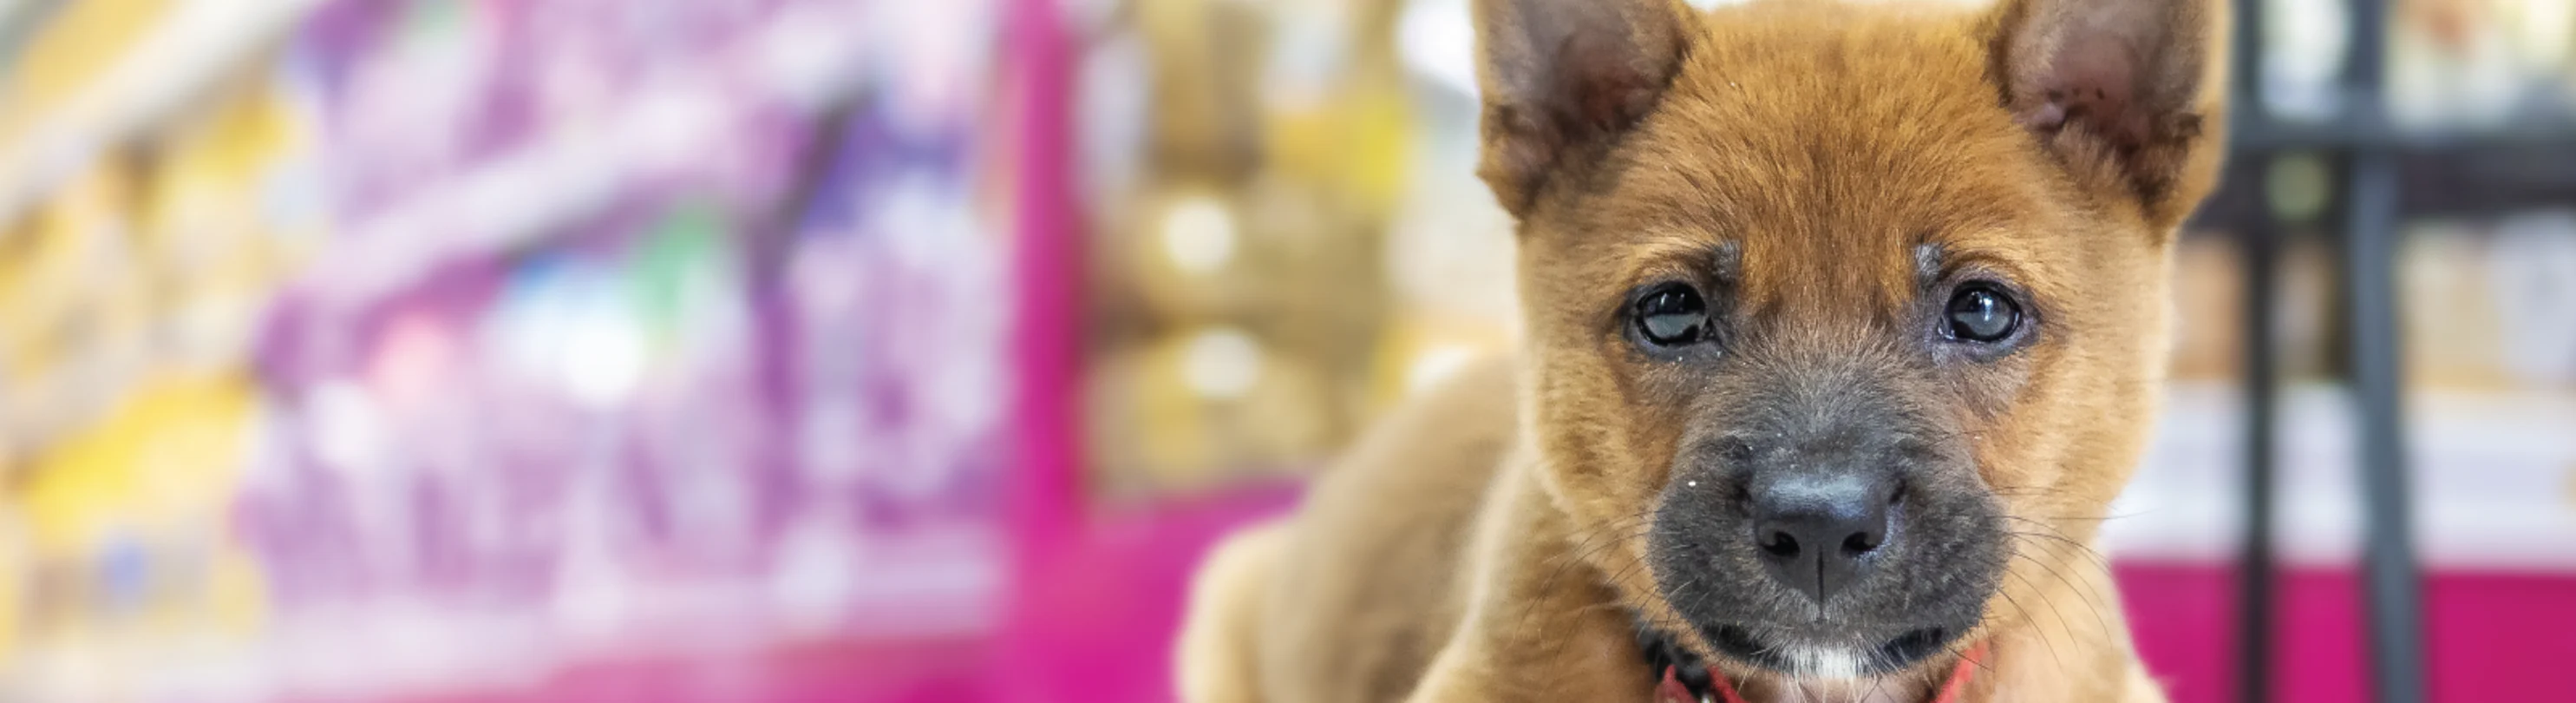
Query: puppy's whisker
[[1686, 586], [2044, 524], [2080, 549], [2028, 617], [2072, 640], [2090, 518], [1579, 553], [1959, 651], [1557, 653], [1599, 540], [2053, 532], [2093, 560], [2080, 592]]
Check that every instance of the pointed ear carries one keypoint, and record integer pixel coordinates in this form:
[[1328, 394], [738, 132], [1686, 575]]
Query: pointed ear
[[1563, 78], [2128, 89]]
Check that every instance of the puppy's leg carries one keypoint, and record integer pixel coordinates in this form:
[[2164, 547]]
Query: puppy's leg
[[1216, 657], [1540, 625], [2142, 687]]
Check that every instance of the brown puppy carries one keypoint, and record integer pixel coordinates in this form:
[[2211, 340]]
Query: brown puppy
[[1845, 325]]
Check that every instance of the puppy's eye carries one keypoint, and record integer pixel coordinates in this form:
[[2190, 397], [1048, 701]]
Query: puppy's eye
[[1982, 313], [1671, 315]]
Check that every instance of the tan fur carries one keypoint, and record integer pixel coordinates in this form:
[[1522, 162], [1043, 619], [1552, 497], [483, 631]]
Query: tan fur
[[1484, 544], [1226, 602]]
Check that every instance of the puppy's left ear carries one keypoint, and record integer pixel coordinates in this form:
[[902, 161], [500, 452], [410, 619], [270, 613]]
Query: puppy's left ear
[[2129, 94], [1563, 79]]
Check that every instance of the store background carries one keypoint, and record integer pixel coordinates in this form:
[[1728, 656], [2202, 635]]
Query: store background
[[871, 350]]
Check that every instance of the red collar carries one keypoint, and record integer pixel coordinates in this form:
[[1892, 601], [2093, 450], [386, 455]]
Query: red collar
[[1672, 690]]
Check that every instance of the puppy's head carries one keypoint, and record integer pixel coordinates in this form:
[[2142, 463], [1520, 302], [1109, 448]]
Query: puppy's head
[[1842, 316]]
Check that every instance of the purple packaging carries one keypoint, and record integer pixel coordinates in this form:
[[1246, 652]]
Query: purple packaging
[[627, 423]]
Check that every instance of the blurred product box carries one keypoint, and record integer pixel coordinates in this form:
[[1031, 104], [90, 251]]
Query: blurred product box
[[2491, 307], [1237, 282], [2488, 306], [128, 398], [452, 341], [2209, 304], [2481, 64], [2302, 62], [79, 46], [1289, 240]]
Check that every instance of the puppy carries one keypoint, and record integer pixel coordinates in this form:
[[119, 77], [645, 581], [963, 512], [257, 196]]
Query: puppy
[[1845, 323]]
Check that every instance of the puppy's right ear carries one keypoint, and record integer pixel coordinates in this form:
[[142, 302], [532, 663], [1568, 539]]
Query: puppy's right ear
[[1563, 78], [2134, 88]]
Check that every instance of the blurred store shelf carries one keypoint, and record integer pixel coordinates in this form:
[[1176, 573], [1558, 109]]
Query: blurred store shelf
[[607, 163], [801, 58], [2496, 488], [2535, 130], [2440, 174], [17, 17], [508, 203], [195, 44]]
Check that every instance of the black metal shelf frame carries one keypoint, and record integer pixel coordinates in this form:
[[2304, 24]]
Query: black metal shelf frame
[[2381, 175]]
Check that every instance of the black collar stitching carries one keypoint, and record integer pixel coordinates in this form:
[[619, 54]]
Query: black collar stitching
[[1663, 652]]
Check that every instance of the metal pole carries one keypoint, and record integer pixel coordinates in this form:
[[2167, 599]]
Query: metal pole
[[2394, 591], [2254, 564]]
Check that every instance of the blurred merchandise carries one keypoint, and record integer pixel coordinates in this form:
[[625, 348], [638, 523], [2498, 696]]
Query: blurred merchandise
[[2492, 308], [2489, 305], [444, 344], [130, 320], [2303, 60], [1286, 244], [2209, 306], [125, 525], [2209, 302], [2481, 64], [78, 49]]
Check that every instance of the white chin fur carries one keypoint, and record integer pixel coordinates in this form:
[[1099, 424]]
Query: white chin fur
[[1834, 664], [1834, 676]]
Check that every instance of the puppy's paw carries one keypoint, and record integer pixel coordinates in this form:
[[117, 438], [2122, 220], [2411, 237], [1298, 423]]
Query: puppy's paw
[[1215, 658], [2142, 687]]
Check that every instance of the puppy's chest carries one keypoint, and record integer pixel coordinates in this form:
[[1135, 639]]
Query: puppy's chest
[[1858, 691]]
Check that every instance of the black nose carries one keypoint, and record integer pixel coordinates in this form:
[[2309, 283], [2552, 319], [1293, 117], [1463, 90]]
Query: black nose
[[1816, 530]]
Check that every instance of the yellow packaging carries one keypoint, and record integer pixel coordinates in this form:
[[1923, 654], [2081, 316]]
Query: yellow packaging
[[1206, 58], [2209, 307], [207, 197], [166, 460], [49, 291], [155, 479], [17, 575], [2457, 339], [1239, 294], [70, 53], [211, 237], [1204, 406]]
